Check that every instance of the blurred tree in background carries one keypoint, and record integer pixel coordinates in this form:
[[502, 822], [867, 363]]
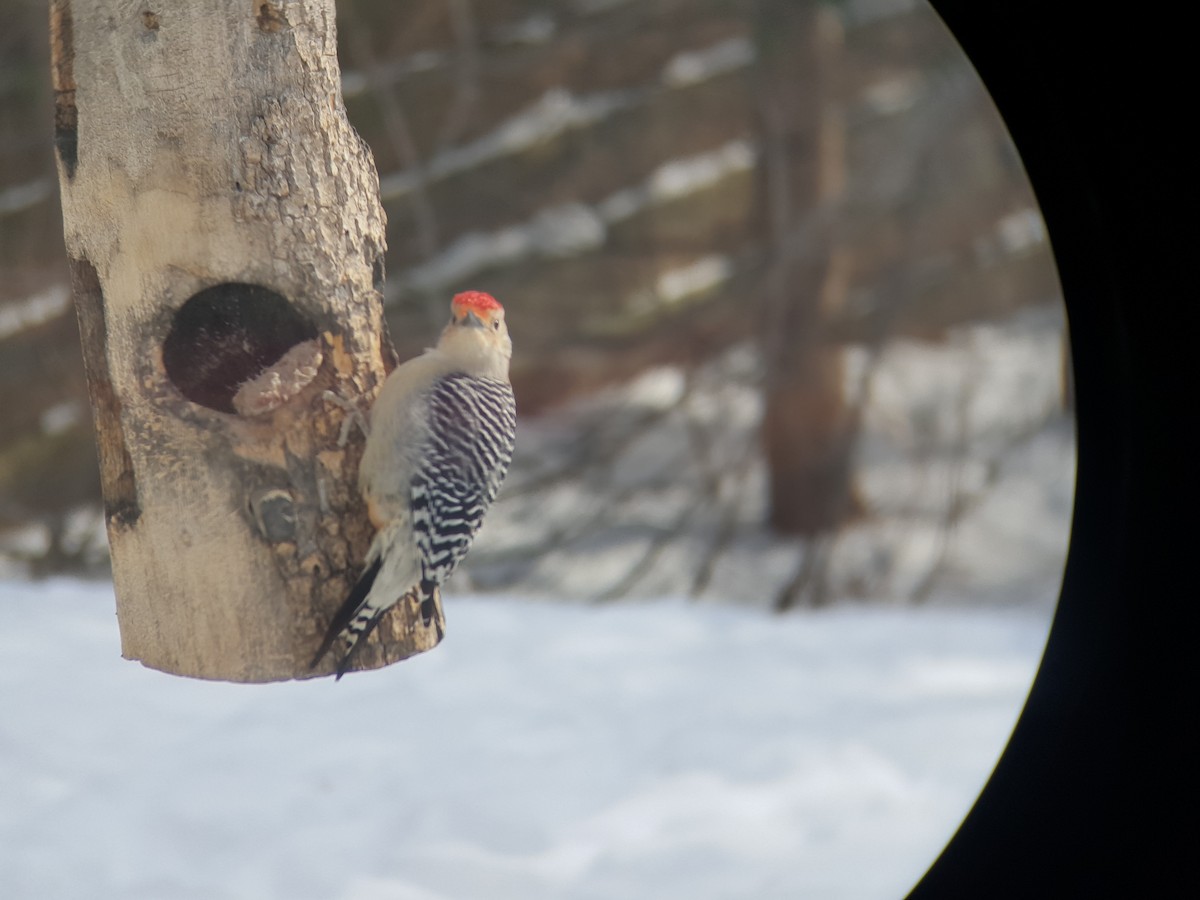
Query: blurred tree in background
[[751, 185], [807, 432]]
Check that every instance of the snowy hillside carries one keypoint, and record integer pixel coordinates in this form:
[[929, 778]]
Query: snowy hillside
[[544, 751], [965, 464]]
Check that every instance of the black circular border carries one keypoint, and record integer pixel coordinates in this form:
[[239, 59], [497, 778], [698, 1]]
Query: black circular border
[[1093, 797]]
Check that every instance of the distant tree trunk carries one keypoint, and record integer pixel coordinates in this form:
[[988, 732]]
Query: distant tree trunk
[[807, 429], [226, 246]]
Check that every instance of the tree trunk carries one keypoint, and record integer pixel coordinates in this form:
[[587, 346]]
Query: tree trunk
[[807, 429], [226, 246]]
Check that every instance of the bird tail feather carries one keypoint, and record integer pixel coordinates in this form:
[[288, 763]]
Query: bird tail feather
[[346, 614]]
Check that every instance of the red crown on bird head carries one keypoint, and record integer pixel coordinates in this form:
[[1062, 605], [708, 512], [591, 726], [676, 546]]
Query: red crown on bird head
[[476, 301]]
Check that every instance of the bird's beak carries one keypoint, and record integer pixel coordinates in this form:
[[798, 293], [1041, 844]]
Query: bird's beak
[[470, 320]]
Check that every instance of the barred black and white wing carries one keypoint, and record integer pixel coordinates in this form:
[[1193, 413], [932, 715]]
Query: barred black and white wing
[[473, 427]]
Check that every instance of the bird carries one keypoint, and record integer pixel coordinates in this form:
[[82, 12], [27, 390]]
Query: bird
[[439, 443]]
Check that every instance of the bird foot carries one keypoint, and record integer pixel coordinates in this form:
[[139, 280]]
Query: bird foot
[[354, 416], [429, 617]]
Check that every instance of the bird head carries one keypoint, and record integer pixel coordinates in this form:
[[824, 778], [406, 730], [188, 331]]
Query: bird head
[[477, 332]]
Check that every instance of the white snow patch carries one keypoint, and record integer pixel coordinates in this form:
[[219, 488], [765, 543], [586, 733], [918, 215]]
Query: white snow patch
[[41, 307], [694, 66], [893, 95], [621, 752], [61, 416], [660, 388], [556, 232], [355, 82], [1021, 230], [981, 381], [471, 253], [569, 229], [556, 111], [703, 274], [678, 178], [27, 541], [1014, 234], [681, 177], [20, 197]]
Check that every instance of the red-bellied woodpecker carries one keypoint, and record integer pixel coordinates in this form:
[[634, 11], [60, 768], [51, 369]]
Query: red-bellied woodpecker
[[439, 445]]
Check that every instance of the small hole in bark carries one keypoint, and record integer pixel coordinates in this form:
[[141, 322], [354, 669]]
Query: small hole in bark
[[227, 335], [377, 274]]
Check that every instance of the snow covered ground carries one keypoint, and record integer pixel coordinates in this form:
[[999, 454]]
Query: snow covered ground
[[647, 750]]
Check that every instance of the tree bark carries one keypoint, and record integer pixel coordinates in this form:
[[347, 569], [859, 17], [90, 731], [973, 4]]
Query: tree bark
[[226, 246], [807, 429]]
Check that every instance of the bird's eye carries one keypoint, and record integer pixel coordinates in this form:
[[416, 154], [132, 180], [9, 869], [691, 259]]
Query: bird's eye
[[496, 324]]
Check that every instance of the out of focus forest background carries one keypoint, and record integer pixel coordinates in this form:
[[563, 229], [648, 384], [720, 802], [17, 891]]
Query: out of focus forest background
[[787, 324]]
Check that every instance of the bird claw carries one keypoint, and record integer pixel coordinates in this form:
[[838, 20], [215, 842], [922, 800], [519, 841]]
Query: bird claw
[[353, 417], [429, 617]]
